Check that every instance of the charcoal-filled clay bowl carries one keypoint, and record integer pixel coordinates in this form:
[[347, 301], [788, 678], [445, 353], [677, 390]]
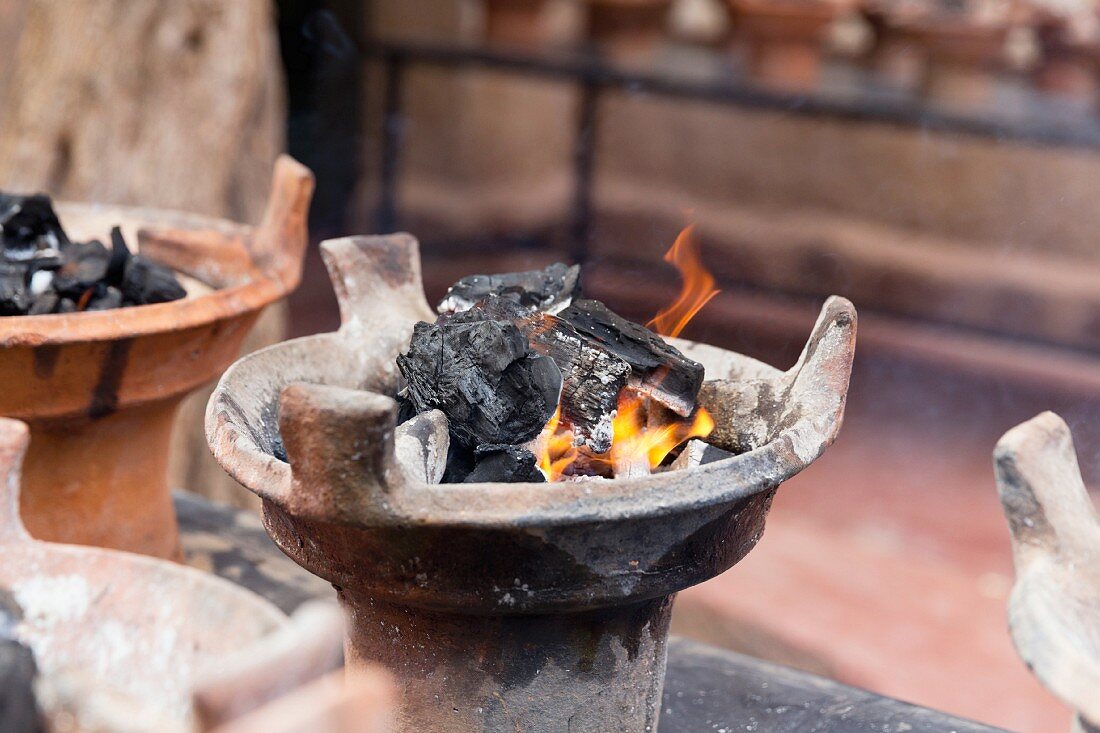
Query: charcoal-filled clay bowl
[[99, 390], [505, 606], [133, 628]]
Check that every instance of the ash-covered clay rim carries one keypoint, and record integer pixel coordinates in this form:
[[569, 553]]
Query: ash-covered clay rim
[[255, 265], [378, 285]]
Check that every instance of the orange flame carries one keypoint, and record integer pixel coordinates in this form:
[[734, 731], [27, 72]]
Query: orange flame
[[644, 433], [696, 291], [638, 442], [555, 448]]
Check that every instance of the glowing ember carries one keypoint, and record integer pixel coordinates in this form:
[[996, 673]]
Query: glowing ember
[[644, 431]]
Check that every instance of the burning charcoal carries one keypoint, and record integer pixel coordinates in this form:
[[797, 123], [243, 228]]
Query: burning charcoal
[[84, 265], [421, 446], [504, 464], [698, 453], [658, 370], [592, 377], [146, 282], [548, 290], [28, 225], [15, 300], [483, 376]]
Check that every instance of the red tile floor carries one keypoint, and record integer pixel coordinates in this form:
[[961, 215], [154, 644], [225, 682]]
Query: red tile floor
[[887, 563]]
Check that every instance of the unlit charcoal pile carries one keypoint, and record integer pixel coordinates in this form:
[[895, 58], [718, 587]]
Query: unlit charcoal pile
[[42, 271], [511, 353]]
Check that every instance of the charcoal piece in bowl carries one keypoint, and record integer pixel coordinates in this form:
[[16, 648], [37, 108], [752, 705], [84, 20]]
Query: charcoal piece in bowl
[[83, 265], [29, 226], [483, 375], [549, 289], [102, 298], [504, 464], [15, 299], [657, 369], [592, 377], [145, 282]]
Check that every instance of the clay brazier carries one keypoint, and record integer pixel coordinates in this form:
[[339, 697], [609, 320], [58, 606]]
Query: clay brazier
[[503, 607], [100, 389]]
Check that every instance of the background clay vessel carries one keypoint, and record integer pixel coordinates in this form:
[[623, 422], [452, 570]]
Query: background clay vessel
[[626, 26], [1068, 67], [783, 39], [503, 607], [515, 22], [113, 632], [99, 390], [962, 58]]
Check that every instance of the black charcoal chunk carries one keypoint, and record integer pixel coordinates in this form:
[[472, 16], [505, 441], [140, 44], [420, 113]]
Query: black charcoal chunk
[[104, 297], [460, 462], [548, 290], [483, 376], [66, 305], [504, 464], [120, 256], [44, 304], [658, 370], [15, 299], [146, 282], [28, 225], [592, 377], [406, 410], [83, 265]]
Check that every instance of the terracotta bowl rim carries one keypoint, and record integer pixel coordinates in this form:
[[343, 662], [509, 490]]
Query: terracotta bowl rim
[[189, 312]]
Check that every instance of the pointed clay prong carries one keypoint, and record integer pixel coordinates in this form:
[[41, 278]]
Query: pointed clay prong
[[421, 446], [751, 413], [827, 356], [14, 439], [279, 242], [378, 284], [339, 443], [309, 647], [1044, 499]]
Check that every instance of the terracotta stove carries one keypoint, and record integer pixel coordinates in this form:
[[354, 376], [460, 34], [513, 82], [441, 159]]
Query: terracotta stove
[[100, 389], [505, 607], [124, 642]]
